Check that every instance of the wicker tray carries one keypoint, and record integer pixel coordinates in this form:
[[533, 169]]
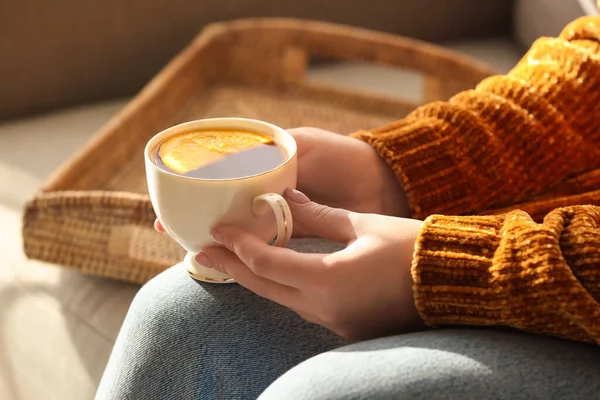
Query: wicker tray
[[94, 213]]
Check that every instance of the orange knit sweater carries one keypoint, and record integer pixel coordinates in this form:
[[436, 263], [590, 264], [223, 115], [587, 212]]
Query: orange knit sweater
[[513, 150]]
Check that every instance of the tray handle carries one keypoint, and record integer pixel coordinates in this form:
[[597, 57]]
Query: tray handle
[[101, 233], [445, 72]]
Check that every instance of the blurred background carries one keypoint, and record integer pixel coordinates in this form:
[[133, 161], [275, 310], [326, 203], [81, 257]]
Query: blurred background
[[68, 66]]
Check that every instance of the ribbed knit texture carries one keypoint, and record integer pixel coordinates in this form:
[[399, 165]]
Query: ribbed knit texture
[[526, 141], [512, 138], [509, 270]]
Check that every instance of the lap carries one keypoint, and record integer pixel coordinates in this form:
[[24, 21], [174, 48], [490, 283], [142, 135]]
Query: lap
[[190, 340], [447, 364]]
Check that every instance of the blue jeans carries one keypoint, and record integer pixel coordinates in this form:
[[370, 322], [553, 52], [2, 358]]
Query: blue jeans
[[188, 340]]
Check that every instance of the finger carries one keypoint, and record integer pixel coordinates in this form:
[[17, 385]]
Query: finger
[[306, 133], [313, 219], [278, 264], [308, 137], [158, 226], [302, 138], [227, 262]]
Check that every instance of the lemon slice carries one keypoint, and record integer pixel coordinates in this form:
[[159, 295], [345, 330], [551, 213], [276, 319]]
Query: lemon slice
[[192, 150]]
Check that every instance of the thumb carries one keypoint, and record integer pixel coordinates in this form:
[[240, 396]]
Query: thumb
[[317, 220]]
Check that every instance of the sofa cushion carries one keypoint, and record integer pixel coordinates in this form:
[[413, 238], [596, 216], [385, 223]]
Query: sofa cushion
[[58, 326], [535, 18]]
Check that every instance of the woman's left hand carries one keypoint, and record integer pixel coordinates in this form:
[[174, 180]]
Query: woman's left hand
[[360, 292]]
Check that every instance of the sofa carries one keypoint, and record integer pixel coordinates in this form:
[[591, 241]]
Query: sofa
[[67, 67]]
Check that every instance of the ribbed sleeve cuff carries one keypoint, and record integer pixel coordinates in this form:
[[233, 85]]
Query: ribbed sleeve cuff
[[507, 271], [451, 271], [421, 160]]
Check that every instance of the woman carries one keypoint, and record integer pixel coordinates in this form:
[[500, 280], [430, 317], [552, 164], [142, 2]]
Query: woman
[[513, 151]]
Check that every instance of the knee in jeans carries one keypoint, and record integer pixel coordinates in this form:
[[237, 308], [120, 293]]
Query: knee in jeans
[[158, 341], [339, 375], [168, 301]]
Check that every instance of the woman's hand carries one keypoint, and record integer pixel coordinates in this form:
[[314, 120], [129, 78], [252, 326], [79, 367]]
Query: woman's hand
[[360, 292], [347, 173]]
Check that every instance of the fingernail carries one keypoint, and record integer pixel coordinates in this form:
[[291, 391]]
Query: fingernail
[[216, 237], [203, 260], [158, 227], [296, 196]]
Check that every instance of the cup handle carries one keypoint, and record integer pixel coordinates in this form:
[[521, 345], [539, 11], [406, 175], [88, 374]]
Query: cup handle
[[260, 206], [283, 215]]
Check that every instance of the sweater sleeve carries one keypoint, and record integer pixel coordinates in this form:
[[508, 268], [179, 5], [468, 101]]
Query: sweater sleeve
[[512, 138], [507, 270]]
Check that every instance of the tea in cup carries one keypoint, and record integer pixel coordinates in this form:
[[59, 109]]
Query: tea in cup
[[229, 171]]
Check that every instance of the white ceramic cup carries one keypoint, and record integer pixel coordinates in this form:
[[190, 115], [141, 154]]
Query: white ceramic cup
[[189, 208]]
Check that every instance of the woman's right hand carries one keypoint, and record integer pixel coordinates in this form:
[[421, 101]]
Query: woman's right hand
[[343, 172]]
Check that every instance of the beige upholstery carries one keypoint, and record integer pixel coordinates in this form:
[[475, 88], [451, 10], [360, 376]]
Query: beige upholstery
[[535, 18], [57, 326]]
